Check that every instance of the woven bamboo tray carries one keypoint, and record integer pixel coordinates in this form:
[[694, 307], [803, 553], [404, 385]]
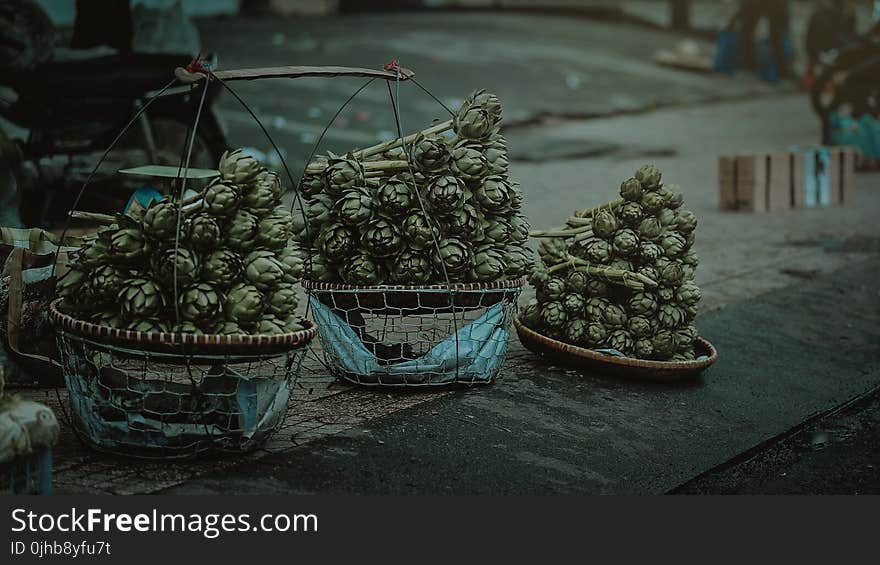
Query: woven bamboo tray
[[185, 343], [624, 367]]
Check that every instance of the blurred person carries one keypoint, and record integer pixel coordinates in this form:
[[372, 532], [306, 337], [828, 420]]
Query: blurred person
[[832, 26], [750, 13]]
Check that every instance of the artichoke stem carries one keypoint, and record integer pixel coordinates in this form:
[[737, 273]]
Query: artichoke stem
[[589, 212], [395, 143], [105, 219], [562, 232], [575, 222], [629, 279]]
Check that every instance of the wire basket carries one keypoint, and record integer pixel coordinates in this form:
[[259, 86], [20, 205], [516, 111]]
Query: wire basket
[[405, 336], [31, 474], [176, 395]]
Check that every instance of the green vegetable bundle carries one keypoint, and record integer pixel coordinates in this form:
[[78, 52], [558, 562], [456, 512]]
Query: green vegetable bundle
[[620, 276], [424, 209], [228, 253]]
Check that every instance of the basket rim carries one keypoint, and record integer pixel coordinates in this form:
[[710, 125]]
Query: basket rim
[[454, 287], [584, 353], [82, 328]]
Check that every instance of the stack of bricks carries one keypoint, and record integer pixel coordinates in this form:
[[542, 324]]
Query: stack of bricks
[[803, 177]]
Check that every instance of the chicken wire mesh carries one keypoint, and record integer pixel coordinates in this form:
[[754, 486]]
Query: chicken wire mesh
[[411, 336], [30, 474], [165, 405]]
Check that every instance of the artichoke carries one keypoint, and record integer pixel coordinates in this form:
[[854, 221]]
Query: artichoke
[[344, 173], [355, 206], [203, 232], [598, 251], [614, 317], [594, 308], [336, 241], [381, 239], [648, 176], [473, 122], [650, 228], [487, 101], [446, 194], [180, 263], [652, 202], [263, 270], [530, 314], [673, 245], [452, 256], [228, 328], [270, 326], [411, 267], [625, 242], [109, 318], [128, 244], [669, 317], [419, 230], [576, 331], [200, 303], [666, 217], [596, 334], [141, 298], [519, 228], [186, 327], [518, 261], [552, 251], [685, 221], [260, 199], [665, 294], [552, 290], [631, 213], [272, 180], [664, 344], [242, 230], [674, 198], [577, 281], [312, 184], [221, 200], [71, 287], [429, 154], [364, 271], [649, 271], [642, 304], [574, 305], [688, 294], [160, 219], [319, 210], [396, 195], [468, 163], [671, 273], [643, 348], [604, 224], [243, 304], [468, 223], [105, 282], [539, 275], [493, 194], [516, 197], [649, 253], [496, 229], [496, 158], [221, 268], [685, 337], [317, 269], [488, 265], [238, 168], [639, 327], [293, 324], [631, 190], [283, 301], [275, 230], [621, 341], [291, 259], [553, 315], [94, 251], [621, 264]]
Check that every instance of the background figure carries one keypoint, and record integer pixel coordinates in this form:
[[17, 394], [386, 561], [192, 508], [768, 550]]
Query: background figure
[[749, 15]]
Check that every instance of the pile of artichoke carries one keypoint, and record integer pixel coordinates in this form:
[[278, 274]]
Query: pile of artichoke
[[424, 209], [227, 255], [621, 276]]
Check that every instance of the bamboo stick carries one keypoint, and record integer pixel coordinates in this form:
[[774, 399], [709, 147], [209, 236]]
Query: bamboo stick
[[395, 143], [105, 219]]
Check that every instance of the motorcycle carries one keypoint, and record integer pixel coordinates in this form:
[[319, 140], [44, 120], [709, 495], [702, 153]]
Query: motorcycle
[[67, 113]]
